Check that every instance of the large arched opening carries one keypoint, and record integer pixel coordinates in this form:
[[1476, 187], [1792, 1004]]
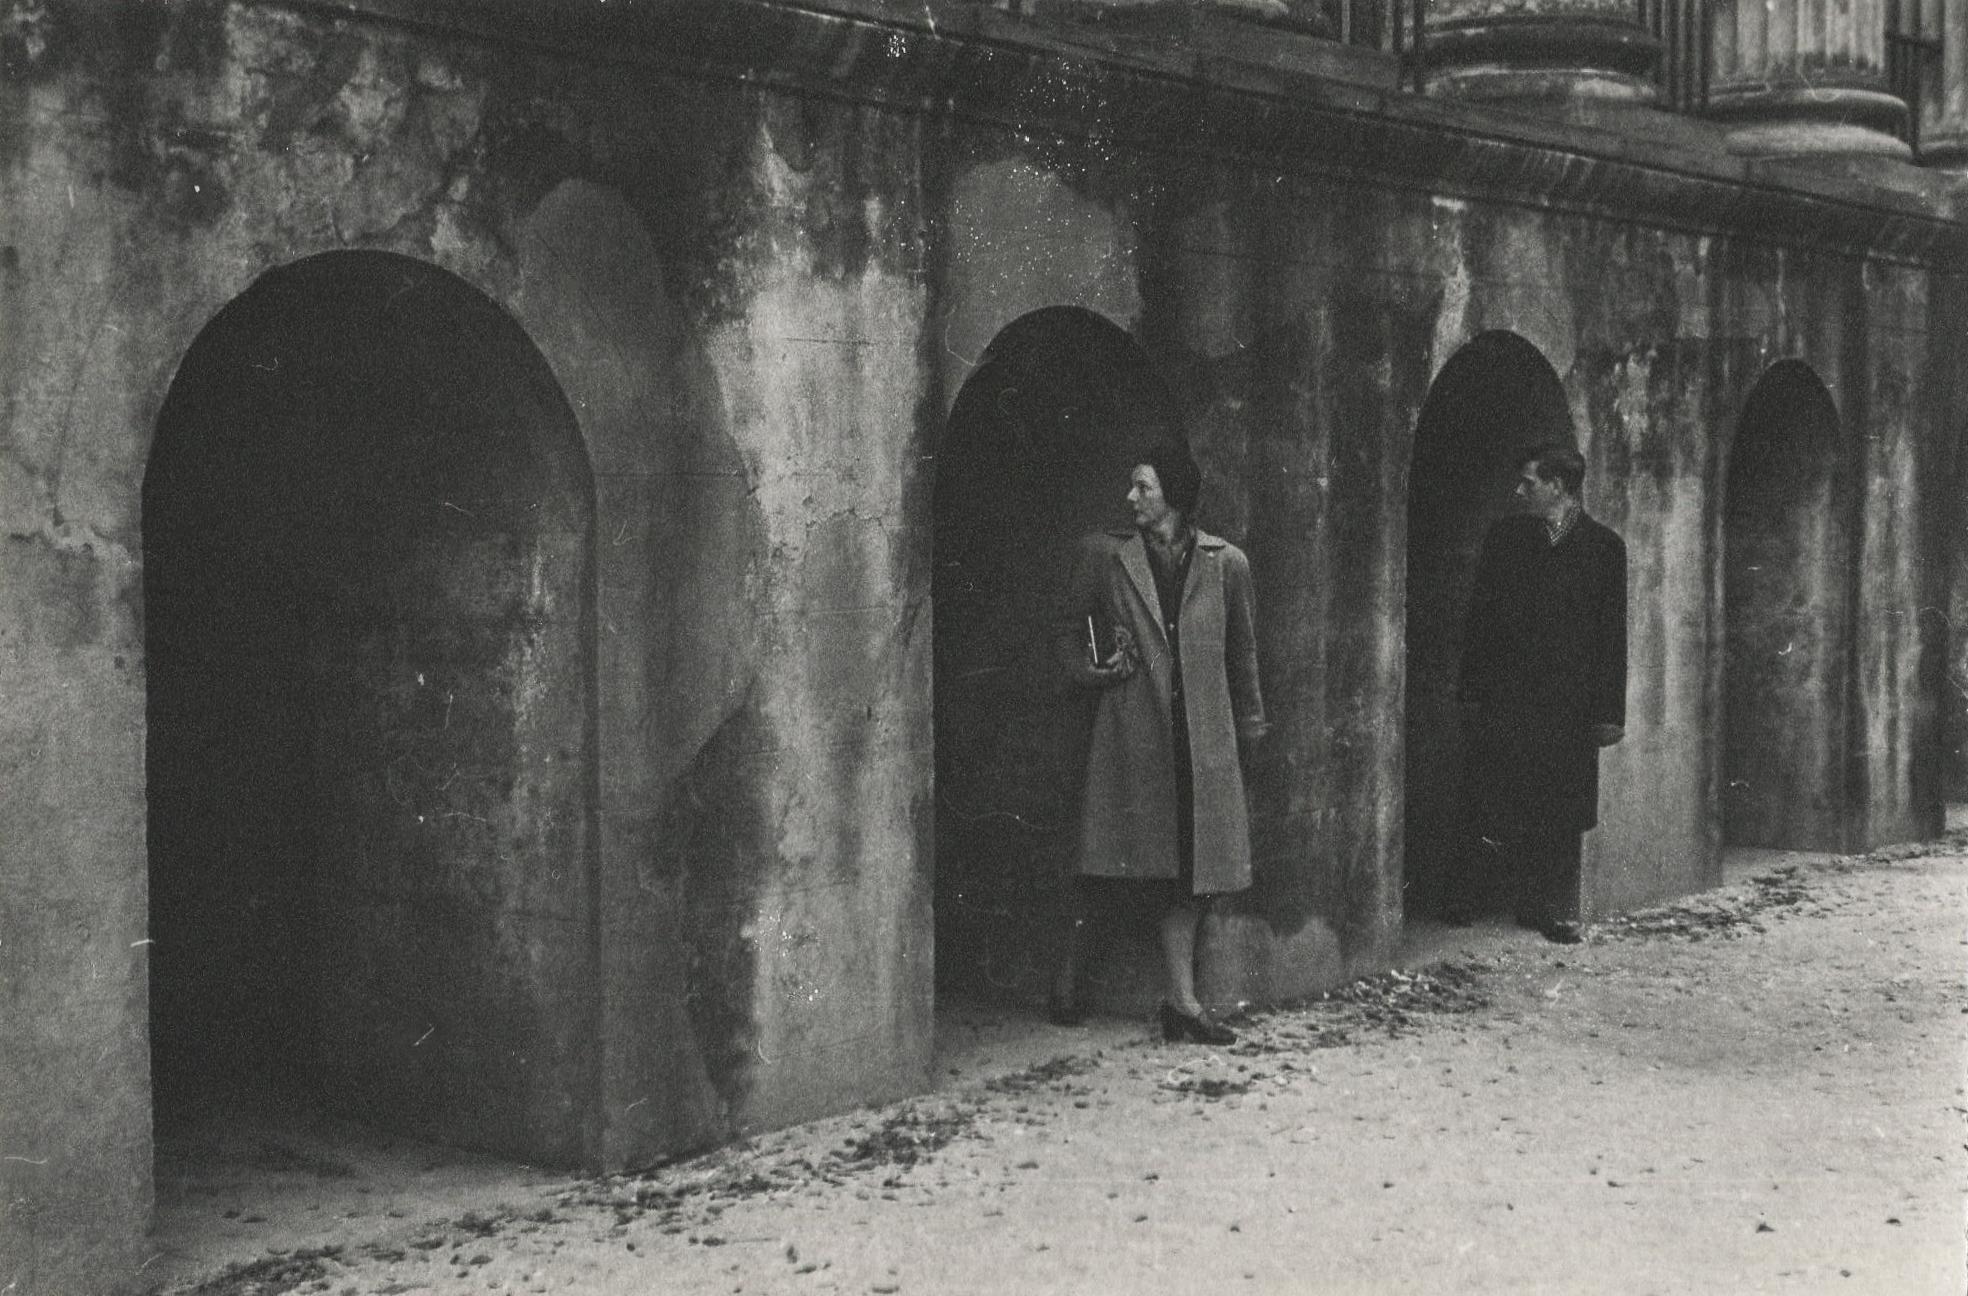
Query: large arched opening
[[1954, 694], [1496, 398], [1786, 582], [1036, 454], [368, 582]]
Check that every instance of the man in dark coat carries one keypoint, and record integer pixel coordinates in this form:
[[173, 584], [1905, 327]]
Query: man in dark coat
[[1543, 686]]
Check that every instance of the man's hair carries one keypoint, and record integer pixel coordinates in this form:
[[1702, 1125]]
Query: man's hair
[[1181, 479], [1556, 462]]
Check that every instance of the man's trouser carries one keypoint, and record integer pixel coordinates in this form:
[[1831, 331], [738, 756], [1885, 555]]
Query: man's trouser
[[1543, 872]]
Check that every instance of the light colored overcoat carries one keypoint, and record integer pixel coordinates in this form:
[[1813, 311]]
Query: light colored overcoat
[[1128, 812]]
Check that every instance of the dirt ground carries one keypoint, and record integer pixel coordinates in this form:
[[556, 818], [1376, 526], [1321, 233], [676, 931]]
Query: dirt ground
[[1757, 1090]]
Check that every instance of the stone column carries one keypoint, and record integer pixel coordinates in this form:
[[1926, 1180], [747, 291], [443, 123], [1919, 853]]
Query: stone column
[[1944, 112], [1562, 50], [1798, 78]]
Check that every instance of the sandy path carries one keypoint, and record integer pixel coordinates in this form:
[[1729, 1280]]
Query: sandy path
[[1758, 1091]]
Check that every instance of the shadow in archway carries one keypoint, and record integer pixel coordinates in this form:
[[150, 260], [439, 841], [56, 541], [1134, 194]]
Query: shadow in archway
[[1786, 598], [1035, 455], [1496, 398], [369, 614]]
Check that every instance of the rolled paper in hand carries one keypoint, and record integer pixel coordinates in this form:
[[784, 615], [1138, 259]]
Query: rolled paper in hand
[[1093, 643]]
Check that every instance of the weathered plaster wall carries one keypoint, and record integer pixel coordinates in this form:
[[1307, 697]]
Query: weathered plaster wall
[[1954, 688], [728, 290], [1301, 325], [74, 1172], [759, 307], [1898, 609], [817, 357], [1645, 424]]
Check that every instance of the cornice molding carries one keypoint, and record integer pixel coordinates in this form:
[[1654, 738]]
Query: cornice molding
[[1297, 105]]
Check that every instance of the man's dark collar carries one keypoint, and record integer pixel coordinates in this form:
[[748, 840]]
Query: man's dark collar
[[1556, 532]]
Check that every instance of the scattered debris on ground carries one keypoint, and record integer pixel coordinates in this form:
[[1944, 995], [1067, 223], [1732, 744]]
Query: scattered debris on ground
[[690, 1194], [1728, 913], [271, 1275], [1394, 1000], [1044, 1075], [1209, 1087], [908, 1135], [1954, 842], [1390, 1003]]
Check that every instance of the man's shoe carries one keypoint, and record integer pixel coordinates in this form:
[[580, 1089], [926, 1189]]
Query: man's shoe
[[1178, 1026]]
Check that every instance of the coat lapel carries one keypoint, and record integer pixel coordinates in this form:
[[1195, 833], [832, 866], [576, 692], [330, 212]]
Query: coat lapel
[[1134, 559], [1207, 548]]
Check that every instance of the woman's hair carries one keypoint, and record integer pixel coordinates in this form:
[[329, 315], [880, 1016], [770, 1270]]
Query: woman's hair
[[1181, 479]]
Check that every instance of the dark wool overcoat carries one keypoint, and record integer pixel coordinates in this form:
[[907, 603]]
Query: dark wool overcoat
[[1543, 662], [1128, 812]]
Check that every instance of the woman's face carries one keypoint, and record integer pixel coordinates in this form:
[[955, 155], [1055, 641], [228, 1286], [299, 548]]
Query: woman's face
[[1145, 495]]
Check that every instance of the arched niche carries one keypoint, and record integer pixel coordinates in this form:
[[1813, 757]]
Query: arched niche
[[369, 619], [1496, 398], [1786, 596], [1036, 454]]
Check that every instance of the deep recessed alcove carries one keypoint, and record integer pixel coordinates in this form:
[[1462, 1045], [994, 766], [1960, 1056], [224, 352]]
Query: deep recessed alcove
[[1035, 455], [1496, 398], [1786, 769], [369, 637]]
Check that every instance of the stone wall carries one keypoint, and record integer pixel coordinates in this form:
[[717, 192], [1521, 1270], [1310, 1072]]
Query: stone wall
[[760, 299]]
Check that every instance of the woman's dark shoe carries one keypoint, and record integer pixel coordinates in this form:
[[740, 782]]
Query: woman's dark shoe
[[1178, 1026]]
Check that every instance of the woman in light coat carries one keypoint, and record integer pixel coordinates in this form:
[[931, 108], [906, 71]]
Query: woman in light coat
[[1160, 622]]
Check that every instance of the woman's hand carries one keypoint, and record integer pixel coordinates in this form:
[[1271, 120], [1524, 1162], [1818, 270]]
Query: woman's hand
[[1108, 671], [1115, 669]]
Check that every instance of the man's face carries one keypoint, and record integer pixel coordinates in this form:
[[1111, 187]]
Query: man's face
[[1145, 496], [1539, 497]]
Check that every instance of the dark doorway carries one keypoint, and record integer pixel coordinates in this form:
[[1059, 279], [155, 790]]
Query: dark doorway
[[1036, 455], [1496, 398], [369, 623], [1786, 594], [1954, 695]]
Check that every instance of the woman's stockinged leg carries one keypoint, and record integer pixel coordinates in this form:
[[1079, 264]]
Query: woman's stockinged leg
[[1183, 1015], [1178, 927], [1066, 998]]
